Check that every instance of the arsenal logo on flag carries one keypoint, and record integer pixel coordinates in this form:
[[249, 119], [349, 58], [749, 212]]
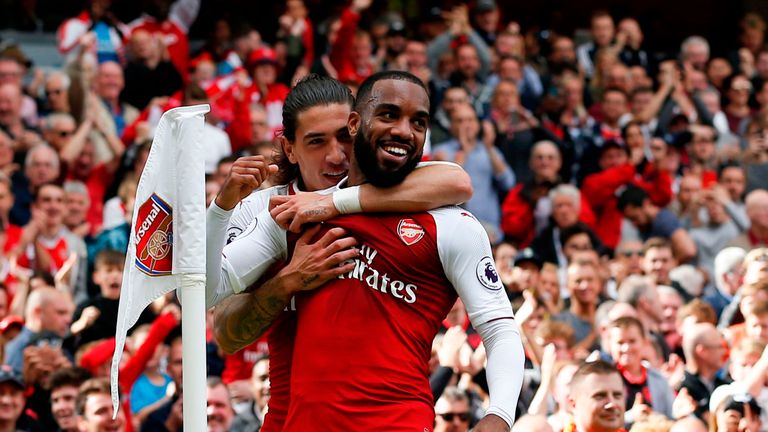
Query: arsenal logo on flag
[[410, 232], [154, 237]]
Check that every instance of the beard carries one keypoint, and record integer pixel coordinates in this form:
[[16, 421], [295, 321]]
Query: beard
[[377, 175]]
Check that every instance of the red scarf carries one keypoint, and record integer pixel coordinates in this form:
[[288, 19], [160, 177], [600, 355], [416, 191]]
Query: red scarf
[[638, 381]]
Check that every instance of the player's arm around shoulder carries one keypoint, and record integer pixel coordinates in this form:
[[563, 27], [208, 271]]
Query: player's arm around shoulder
[[431, 185]]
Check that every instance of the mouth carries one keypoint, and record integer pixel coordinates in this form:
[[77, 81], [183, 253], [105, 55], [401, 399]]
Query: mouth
[[393, 153], [335, 176]]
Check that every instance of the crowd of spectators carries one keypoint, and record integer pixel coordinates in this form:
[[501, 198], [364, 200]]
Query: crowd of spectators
[[624, 191]]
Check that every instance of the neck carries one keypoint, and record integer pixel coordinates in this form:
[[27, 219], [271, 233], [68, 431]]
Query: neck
[[50, 230], [7, 426], [355, 176], [585, 311], [648, 323], [702, 371], [34, 325], [634, 369]]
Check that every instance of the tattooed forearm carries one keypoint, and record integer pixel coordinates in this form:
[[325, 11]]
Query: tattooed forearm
[[242, 318]]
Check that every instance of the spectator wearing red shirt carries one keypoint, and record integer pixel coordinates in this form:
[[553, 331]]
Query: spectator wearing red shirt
[[525, 211], [617, 171], [265, 89], [171, 22], [351, 52]]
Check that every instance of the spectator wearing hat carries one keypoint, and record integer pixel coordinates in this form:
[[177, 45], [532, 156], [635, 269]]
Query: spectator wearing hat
[[265, 89], [485, 20], [148, 74], [13, 400], [525, 274]]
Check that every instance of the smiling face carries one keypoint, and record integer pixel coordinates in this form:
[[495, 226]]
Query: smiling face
[[63, 407], [626, 345], [390, 131], [322, 145], [598, 402]]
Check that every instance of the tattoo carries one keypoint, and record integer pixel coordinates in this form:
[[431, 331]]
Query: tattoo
[[307, 281], [315, 212], [242, 318]]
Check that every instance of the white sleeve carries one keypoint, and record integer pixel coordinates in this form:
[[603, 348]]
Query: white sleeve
[[184, 13], [247, 210], [233, 268], [468, 264]]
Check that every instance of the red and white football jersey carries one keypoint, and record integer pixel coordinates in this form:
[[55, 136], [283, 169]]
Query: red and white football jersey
[[363, 341]]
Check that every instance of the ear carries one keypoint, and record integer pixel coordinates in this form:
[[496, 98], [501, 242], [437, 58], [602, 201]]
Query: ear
[[571, 402], [353, 123], [288, 149]]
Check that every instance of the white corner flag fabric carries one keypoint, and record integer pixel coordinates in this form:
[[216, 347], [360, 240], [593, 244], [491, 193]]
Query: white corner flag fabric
[[166, 249]]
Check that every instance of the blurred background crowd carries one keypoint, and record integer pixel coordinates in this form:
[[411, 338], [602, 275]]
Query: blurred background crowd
[[619, 160]]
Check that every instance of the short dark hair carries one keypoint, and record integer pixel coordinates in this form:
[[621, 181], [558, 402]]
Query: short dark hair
[[574, 230], [730, 163], [73, 376], [626, 323], [109, 257], [598, 367], [367, 86], [313, 90], [194, 92], [632, 195], [89, 387], [656, 243], [614, 90]]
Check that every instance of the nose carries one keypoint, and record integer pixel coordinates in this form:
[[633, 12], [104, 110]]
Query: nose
[[336, 154], [402, 129]]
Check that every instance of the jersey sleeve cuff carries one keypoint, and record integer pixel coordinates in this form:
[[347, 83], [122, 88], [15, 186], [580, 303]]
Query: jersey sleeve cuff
[[500, 413]]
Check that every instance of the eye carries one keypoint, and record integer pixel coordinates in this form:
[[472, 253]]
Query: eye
[[389, 115], [421, 123], [316, 141]]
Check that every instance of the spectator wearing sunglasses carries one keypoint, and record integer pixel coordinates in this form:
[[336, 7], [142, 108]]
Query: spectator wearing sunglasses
[[452, 413]]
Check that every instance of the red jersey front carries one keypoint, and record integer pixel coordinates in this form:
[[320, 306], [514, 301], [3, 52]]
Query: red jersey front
[[363, 342]]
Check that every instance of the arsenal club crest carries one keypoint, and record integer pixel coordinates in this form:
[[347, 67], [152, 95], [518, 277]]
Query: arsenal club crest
[[154, 237], [410, 232]]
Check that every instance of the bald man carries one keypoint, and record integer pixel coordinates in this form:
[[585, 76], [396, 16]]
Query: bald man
[[756, 205], [704, 349], [47, 310]]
